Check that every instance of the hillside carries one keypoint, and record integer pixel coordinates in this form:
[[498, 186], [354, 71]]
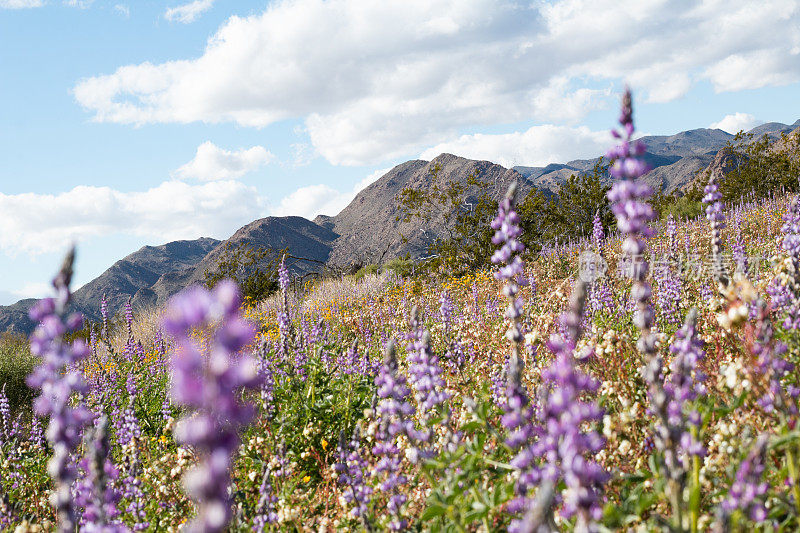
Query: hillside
[[367, 230]]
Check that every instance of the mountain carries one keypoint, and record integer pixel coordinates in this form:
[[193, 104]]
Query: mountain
[[368, 229], [121, 281], [300, 237]]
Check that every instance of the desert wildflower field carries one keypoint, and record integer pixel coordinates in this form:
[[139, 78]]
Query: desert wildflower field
[[640, 380]]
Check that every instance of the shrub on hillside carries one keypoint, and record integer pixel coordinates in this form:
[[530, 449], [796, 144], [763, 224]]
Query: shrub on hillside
[[16, 362]]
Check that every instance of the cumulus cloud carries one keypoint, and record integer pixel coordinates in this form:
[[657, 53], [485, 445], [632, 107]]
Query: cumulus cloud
[[737, 122], [321, 199], [37, 223], [537, 146], [81, 4], [20, 4], [380, 80], [212, 163], [122, 10], [188, 13]]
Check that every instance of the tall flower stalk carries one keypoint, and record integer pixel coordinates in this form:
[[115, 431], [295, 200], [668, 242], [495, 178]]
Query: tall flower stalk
[[59, 380], [633, 213], [209, 383], [395, 419], [716, 218], [565, 443]]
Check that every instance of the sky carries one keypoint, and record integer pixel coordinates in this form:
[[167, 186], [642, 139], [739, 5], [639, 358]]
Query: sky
[[125, 123]]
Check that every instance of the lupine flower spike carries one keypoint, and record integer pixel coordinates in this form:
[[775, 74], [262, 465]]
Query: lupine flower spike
[[633, 213], [58, 380], [210, 387]]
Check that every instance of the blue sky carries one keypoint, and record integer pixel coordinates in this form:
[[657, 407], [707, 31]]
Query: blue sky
[[132, 123]]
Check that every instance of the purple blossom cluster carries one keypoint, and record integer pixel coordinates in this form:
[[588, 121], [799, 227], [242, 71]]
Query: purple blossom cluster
[[58, 380], [425, 377], [564, 444], [507, 233], [395, 418], [209, 383], [749, 489], [353, 474], [628, 199], [773, 366], [716, 217]]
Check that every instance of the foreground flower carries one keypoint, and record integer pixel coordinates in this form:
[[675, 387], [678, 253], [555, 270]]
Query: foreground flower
[[633, 213], [566, 444], [395, 419], [58, 380], [749, 488], [209, 383]]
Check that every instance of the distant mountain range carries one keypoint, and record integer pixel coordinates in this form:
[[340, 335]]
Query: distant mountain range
[[368, 229]]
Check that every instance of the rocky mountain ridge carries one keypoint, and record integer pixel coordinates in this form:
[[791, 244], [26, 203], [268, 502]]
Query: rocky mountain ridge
[[368, 229]]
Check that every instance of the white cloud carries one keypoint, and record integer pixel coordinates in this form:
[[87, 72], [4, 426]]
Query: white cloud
[[188, 13], [37, 223], [379, 80], [33, 290], [122, 10], [212, 163], [737, 122], [537, 146], [81, 4], [20, 4], [321, 199]]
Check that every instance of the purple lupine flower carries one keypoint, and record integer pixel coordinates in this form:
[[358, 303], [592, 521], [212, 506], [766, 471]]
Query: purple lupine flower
[[425, 376], [507, 232], [564, 444], [101, 514], [129, 318], [58, 380], [37, 434], [446, 310], [633, 213], [598, 237], [717, 219], [129, 433], [349, 360], [5, 417], [284, 318], [790, 244], [352, 468], [668, 399], [600, 297], [748, 491], [267, 502], [771, 364], [669, 294], [686, 383], [210, 385], [395, 418], [738, 248], [104, 315]]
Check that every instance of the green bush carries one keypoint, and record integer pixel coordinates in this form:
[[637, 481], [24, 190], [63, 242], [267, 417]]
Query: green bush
[[402, 267], [683, 208], [16, 362], [367, 270]]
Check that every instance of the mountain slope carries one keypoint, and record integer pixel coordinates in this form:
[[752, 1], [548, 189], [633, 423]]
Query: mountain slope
[[121, 281], [300, 237], [368, 228]]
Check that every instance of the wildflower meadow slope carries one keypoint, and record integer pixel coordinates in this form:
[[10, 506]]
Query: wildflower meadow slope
[[641, 379]]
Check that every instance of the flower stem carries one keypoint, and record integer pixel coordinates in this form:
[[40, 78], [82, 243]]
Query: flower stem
[[793, 474]]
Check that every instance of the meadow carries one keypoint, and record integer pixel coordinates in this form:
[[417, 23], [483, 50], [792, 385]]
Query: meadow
[[643, 380]]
